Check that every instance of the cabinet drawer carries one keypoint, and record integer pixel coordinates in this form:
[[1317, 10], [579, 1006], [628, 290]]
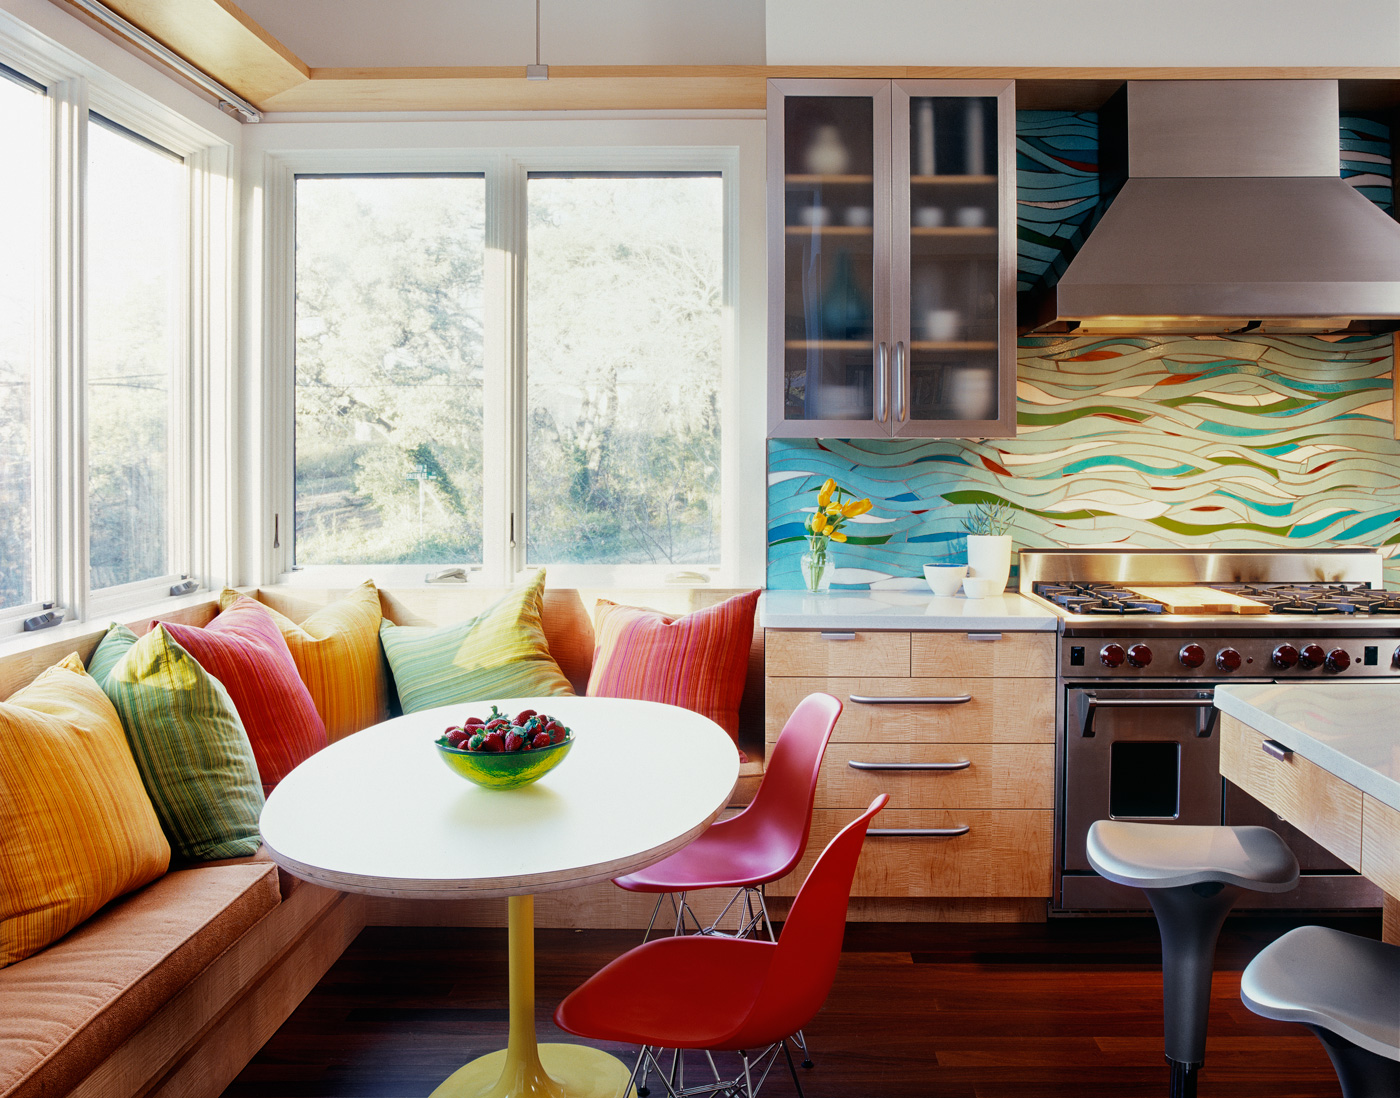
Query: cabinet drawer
[[1320, 804], [999, 775], [835, 652], [1003, 853], [1380, 845], [1010, 655], [1000, 710]]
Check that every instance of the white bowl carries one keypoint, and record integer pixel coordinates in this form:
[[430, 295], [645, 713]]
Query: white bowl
[[858, 216], [945, 579], [976, 588], [928, 217], [816, 216]]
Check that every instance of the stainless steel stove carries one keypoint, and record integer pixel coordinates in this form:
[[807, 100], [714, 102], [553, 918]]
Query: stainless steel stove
[[1145, 636]]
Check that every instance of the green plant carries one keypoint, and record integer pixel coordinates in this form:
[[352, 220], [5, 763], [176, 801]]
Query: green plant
[[992, 518]]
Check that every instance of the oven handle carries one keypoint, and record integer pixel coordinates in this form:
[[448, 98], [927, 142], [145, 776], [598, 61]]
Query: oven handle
[[1204, 727]]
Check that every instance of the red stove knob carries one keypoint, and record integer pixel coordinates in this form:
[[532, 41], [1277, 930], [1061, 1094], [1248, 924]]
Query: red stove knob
[[1227, 659], [1139, 655], [1112, 655], [1311, 656], [1337, 661], [1285, 656], [1193, 655]]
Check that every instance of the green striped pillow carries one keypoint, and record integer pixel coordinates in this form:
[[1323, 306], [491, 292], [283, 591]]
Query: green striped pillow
[[188, 741], [500, 653]]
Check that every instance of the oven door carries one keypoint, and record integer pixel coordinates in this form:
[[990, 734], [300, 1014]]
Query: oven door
[[1140, 753]]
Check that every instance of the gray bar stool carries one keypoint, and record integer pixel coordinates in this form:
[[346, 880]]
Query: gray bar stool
[[1346, 990], [1192, 877]]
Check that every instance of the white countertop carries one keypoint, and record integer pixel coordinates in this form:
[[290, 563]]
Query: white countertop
[[1008, 612], [1350, 729]]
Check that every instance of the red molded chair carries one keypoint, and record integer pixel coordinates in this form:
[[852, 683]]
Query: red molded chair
[[761, 843], [727, 994]]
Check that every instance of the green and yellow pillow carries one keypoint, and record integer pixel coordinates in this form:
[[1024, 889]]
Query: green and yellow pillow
[[500, 653]]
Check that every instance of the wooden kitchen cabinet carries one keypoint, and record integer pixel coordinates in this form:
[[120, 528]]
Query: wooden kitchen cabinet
[[892, 258], [982, 733]]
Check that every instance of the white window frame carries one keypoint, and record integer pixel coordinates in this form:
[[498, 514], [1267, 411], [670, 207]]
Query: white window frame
[[638, 145], [199, 474]]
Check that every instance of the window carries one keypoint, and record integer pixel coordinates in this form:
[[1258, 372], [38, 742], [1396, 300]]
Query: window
[[116, 207], [23, 244], [513, 367], [135, 250]]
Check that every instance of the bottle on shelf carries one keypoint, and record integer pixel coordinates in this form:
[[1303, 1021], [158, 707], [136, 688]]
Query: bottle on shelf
[[827, 154]]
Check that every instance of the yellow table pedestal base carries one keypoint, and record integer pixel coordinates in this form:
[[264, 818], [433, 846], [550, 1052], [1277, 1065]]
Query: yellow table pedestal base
[[561, 1071], [524, 1069]]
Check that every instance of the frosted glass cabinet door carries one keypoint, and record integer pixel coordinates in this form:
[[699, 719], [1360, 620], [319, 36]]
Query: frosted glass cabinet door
[[829, 221], [954, 367], [892, 258]]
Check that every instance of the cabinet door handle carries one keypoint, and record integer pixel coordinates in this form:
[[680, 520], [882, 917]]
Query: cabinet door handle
[[1276, 749], [838, 636], [901, 400], [882, 372], [918, 832], [961, 764], [952, 699]]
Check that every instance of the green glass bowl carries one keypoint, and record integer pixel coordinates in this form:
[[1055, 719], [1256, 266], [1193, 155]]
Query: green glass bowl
[[505, 769]]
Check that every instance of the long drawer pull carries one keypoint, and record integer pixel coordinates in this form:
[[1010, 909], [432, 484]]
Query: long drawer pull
[[952, 699], [961, 764], [984, 636], [1276, 749], [838, 636], [918, 832]]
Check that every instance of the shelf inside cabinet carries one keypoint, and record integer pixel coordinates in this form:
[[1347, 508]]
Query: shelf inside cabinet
[[957, 346], [808, 180], [951, 180], [954, 230], [830, 230], [828, 344]]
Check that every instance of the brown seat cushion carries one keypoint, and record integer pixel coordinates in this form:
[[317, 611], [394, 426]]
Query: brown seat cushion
[[70, 1005], [261, 856]]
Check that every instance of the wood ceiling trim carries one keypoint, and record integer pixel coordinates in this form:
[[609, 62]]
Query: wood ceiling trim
[[221, 40]]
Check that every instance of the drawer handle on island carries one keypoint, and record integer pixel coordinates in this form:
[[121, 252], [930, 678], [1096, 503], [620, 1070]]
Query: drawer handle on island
[[961, 764], [951, 699], [984, 636], [918, 832], [1276, 749], [838, 636]]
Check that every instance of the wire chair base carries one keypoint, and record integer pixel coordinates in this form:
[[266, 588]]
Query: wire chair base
[[745, 1083]]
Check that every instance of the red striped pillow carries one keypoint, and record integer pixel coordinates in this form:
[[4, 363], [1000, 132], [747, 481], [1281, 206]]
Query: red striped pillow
[[698, 661], [244, 650]]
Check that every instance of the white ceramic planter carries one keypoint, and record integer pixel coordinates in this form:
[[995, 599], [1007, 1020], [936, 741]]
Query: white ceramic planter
[[989, 557]]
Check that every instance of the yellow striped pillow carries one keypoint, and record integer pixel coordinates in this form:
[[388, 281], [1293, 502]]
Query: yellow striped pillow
[[336, 651], [77, 826]]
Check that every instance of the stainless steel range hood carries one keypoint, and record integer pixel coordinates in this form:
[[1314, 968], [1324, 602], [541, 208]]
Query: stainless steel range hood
[[1233, 217]]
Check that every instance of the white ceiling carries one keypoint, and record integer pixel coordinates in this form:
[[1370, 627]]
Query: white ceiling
[[410, 33]]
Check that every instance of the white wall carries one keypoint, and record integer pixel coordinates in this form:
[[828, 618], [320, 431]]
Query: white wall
[[391, 33], [1083, 32]]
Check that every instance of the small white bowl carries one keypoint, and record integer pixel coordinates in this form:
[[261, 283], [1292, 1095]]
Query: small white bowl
[[983, 588], [971, 217], [816, 216], [945, 579], [858, 217], [928, 217]]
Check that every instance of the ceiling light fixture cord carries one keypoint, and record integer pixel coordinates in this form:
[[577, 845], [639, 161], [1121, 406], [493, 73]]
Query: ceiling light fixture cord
[[537, 71]]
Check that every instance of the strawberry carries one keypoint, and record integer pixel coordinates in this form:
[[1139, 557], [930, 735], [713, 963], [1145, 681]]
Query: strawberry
[[556, 731], [456, 736], [514, 741], [474, 744], [499, 724], [524, 715], [470, 721], [493, 741], [541, 740]]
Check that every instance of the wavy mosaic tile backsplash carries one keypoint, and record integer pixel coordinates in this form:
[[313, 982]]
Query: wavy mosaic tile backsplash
[[1148, 442]]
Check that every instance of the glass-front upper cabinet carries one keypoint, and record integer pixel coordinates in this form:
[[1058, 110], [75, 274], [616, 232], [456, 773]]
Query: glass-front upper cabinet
[[892, 255]]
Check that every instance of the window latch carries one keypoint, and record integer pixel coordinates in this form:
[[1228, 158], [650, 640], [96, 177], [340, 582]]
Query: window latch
[[46, 620], [186, 586]]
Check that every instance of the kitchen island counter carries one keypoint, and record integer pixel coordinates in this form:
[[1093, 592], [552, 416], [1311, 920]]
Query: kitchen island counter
[[910, 610], [1351, 730]]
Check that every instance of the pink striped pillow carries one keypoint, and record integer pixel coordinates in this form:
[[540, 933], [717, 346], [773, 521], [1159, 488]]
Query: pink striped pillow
[[698, 661], [244, 649]]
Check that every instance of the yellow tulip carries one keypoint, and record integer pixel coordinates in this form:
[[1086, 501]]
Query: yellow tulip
[[824, 496], [818, 523], [856, 507], [838, 536], [835, 509]]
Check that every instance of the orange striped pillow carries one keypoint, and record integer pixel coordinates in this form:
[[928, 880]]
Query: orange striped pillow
[[244, 650], [698, 661], [78, 829], [336, 651]]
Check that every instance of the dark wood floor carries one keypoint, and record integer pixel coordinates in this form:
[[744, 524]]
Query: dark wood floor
[[1069, 1008]]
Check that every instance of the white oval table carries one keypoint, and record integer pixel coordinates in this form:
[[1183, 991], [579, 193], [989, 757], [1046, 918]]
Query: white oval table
[[379, 812]]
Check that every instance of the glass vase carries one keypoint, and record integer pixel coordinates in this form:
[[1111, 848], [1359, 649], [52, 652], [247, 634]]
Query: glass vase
[[817, 566]]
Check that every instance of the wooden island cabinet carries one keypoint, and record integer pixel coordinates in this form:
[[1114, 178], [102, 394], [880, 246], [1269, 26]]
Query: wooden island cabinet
[[959, 729]]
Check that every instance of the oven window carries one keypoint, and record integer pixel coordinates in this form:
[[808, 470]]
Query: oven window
[[1145, 781]]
